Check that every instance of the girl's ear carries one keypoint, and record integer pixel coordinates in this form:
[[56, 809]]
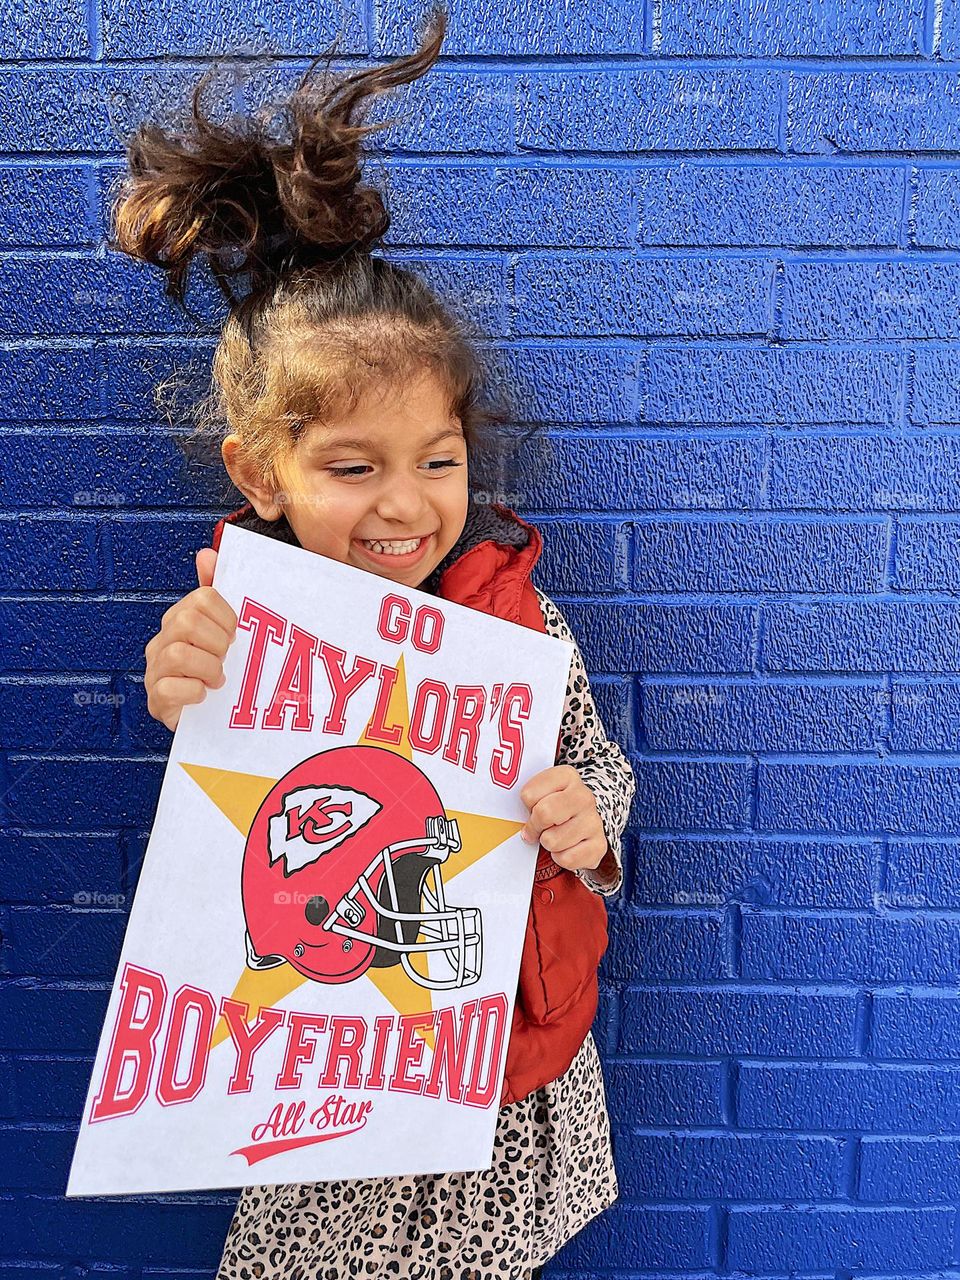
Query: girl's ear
[[249, 481]]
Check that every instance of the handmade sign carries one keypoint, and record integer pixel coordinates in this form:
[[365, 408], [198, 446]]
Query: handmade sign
[[319, 970]]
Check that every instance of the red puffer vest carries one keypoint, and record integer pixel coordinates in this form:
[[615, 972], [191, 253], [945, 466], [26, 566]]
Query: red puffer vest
[[566, 933]]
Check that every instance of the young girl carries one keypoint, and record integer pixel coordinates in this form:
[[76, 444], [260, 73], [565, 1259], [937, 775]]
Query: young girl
[[350, 396]]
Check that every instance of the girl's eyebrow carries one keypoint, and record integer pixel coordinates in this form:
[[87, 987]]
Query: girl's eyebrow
[[338, 443]]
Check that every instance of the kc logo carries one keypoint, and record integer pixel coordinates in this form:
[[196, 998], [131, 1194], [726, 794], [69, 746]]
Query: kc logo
[[314, 821]]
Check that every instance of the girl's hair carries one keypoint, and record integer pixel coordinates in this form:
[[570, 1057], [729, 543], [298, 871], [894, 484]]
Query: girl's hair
[[324, 322]]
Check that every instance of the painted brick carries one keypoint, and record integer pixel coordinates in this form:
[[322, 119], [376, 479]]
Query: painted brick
[[777, 716], [927, 555], [862, 111], [46, 30], [860, 301], [50, 1088], [51, 1017], [563, 473], [709, 871], [659, 945], [44, 205], [689, 795], [712, 555], [773, 385], [665, 109], [862, 637], [935, 220], [593, 27], [859, 949], [910, 1170], [729, 1167], [888, 1240], [55, 554], [936, 387], [643, 1238], [924, 873], [79, 635], [58, 867], [646, 637], [859, 797], [75, 942], [59, 712], [924, 716], [858, 1096], [582, 555], [748, 28], [642, 297], [708, 1022], [795, 206], [674, 1094], [84, 792], [152, 29], [511, 205], [915, 1026], [869, 473]]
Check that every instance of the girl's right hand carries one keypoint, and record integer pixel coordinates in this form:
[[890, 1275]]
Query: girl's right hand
[[185, 657]]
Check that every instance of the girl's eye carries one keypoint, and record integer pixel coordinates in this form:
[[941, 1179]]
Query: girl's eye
[[360, 468], [346, 471]]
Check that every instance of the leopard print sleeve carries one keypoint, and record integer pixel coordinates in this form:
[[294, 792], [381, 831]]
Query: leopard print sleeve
[[601, 763]]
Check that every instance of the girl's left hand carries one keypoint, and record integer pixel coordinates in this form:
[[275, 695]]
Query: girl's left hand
[[564, 818]]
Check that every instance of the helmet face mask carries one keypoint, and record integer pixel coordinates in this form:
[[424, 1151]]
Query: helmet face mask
[[342, 873]]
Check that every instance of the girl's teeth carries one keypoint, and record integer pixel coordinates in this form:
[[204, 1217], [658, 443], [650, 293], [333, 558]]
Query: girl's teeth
[[393, 548]]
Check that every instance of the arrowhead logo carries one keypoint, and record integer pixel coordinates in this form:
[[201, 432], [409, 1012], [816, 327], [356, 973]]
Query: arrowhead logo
[[314, 821]]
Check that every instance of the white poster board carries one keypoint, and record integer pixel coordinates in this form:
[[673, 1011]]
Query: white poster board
[[349, 795]]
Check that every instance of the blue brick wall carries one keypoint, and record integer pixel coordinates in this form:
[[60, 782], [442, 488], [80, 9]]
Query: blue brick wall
[[717, 247]]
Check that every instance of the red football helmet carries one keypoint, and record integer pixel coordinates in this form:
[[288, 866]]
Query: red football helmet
[[336, 872]]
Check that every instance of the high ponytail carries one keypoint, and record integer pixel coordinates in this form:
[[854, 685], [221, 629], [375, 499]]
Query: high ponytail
[[324, 320], [253, 205]]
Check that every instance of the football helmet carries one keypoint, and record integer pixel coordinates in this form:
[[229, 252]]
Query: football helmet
[[341, 873]]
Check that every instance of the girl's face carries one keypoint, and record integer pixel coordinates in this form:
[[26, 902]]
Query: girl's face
[[384, 489]]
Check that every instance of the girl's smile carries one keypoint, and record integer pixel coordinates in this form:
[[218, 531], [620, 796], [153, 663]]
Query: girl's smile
[[384, 488]]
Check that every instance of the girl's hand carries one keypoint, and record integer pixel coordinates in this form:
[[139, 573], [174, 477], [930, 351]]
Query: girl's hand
[[564, 818], [186, 655]]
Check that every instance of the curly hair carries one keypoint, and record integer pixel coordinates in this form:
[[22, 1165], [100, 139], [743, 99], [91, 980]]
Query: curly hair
[[323, 321]]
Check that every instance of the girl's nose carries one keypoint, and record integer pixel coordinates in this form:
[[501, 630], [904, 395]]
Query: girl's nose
[[401, 499]]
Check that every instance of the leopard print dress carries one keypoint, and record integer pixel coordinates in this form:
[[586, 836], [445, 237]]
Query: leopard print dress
[[553, 1168]]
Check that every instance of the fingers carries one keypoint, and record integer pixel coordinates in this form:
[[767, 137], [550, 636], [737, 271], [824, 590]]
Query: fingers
[[555, 808], [564, 835], [204, 602], [170, 695], [206, 561], [198, 629], [556, 778]]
